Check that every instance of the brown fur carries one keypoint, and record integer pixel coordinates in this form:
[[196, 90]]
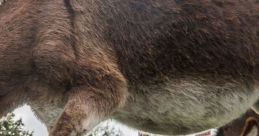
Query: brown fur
[[83, 61], [242, 126]]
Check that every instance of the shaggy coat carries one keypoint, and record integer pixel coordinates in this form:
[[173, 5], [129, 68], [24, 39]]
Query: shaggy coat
[[167, 67]]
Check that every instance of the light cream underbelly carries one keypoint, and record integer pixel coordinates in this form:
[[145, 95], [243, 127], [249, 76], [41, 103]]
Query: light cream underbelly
[[188, 105]]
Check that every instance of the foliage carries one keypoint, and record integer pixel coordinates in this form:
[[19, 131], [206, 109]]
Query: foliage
[[11, 127], [106, 129]]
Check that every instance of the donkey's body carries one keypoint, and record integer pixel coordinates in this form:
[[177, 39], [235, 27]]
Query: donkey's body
[[171, 67]]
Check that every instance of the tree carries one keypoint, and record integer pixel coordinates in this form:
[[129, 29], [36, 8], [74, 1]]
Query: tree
[[105, 129], [11, 127]]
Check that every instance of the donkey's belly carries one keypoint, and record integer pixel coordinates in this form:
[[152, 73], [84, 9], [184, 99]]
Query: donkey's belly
[[187, 105]]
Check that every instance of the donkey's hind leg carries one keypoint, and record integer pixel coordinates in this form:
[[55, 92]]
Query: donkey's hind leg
[[87, 106], [246, 125]]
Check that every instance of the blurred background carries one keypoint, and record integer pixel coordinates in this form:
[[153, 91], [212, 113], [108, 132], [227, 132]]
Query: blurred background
[[30, 126]]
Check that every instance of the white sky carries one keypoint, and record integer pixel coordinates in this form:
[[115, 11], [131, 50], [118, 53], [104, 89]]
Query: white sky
[[33, 124]]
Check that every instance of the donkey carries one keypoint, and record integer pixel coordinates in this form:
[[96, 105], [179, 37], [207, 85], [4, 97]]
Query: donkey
[[166, 67], [248, 125]]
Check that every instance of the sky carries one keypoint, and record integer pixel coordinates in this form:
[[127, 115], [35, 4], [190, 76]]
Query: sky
[[33, 124]]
